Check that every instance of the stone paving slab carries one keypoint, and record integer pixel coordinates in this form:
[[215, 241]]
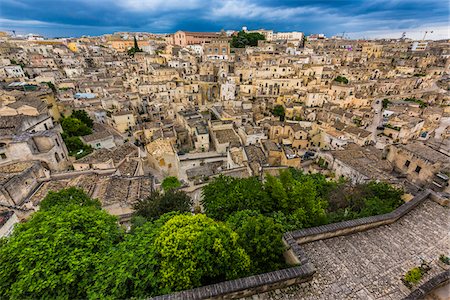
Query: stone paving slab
[[370, 264]]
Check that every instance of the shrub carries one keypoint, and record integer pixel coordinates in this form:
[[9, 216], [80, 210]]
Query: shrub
[[413, 276], [196, 250]]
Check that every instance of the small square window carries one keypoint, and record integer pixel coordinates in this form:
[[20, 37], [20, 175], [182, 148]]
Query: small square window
[[407, 163], [417, 170]]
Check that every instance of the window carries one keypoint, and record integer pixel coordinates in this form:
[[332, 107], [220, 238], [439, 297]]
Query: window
[[2, 155], [407, 163], [417, 170]]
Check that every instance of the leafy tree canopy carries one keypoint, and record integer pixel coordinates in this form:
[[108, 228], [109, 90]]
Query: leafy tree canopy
[[54, 255], [297, 200], [158, 204], [243, 39], [83, 116], [260, 237], [279, 111], [74, 145], [341, 79], [74, 127], [196, 250], [226, 195], [66, 197]]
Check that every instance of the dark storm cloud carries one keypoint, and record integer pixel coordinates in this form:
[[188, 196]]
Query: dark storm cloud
[[77, 17]]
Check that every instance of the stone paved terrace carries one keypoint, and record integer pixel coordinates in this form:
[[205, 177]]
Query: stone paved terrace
[[369, 265]]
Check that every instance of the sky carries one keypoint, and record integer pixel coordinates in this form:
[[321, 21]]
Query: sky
[[357, 18]]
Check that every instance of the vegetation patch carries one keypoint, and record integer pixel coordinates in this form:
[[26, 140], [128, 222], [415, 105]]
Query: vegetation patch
[[341, 79], [72, 249]]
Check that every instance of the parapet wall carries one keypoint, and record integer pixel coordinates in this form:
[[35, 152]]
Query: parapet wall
[[294, 254]]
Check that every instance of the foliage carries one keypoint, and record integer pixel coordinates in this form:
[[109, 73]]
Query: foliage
[[341, 79], [66, 197], [392, 127], [413, 276], [444, 259], [297, 200], [260, 237], [386, 102], [196, 250], [77, 124], [170, 182], [158, 204], [226, 195], [135, 48], [297, 195], [243, 39], [374, 198], [54, 255], [83, 116], [74, 127], [130, 269], [279, 111], [421, 103], [75, 145]]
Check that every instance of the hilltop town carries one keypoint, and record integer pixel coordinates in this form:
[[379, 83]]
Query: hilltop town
[[115, 115]]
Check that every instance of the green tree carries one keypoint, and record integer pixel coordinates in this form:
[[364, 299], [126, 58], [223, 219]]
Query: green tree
[[83, 116], [54, 255], [130, 269], [341, 79], [243, 39], [67, 197], [300, 197], [74, 145], [261, 238], [386, 102], [170, 183], [158, 204], [195, 250], [226, 195], [74, 127], [135, 48], [279, 111]]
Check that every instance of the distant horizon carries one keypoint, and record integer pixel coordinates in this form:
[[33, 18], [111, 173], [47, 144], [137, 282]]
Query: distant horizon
[[368, 36], [357, 18]]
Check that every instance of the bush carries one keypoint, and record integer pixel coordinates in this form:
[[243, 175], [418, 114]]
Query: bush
[[170, 182], [66, 197], [261, 238], [243, 39], [196, 250], [158, 204], [341, 79], [444, 259], [413, 276], [226, 195], [54, 255], [74, 127]]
